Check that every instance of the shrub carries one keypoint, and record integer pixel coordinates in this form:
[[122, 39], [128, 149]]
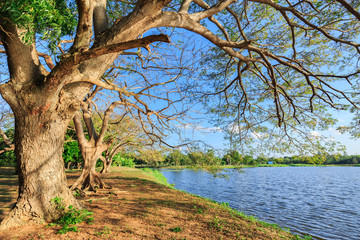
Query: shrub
[[124, 161], [70, 217]]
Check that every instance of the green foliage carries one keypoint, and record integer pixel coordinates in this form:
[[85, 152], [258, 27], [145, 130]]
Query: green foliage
[[77, 193], [8, 159], [152, 157], [102, 232], [234, 158], [193, 158], [70, 217], [123, 160], [225, 204], [306, 237], [72, 152], [58, 202], [176, 158], [198, 210], [176, 229], [50, 19], [247, 106]]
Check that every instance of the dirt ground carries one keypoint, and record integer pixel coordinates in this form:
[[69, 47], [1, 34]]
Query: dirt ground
[[138, 208]]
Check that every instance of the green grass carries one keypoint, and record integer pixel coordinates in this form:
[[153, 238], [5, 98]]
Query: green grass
[[159, 177], [103, 232], [176, 229]]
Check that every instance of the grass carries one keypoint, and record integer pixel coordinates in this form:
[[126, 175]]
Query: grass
[[103, 232], [157, 175], [176, 229]]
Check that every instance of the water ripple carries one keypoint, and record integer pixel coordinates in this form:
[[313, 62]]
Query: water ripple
[[321, 201]]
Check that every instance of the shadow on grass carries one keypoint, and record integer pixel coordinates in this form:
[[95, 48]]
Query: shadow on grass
[[150, 198], [8, 188]]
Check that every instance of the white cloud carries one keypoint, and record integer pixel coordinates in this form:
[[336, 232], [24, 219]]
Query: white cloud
[[201, 128], [314, 134], [235, 128], [334, 131]]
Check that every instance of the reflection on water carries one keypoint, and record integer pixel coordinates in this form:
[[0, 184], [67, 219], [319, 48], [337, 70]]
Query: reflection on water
[[320, 201]]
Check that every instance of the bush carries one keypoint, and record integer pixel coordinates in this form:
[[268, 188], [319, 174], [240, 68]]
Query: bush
[[8, 159], [70, 217], [124, 161], [72, 153]]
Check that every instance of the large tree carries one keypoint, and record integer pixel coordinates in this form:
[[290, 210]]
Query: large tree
[[282, 45]]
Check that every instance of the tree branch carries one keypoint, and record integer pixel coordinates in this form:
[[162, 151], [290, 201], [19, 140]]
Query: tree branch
[[348, 7], [68, 63], [47, 58], [79, 129], [84, 27], [99, 51]]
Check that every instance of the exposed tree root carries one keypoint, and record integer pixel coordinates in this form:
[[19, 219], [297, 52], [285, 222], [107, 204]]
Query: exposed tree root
[[89, 181], [34, 212]]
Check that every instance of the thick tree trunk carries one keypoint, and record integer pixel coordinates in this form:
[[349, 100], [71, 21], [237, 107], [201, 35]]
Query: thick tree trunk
[[39, 147]]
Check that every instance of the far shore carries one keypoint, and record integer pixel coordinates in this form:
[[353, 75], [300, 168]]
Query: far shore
[[245, 166]]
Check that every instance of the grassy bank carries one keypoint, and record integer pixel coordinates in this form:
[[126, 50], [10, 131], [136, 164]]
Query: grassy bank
[[141, 205]]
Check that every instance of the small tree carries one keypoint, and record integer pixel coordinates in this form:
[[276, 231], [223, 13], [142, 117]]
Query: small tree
[[124, 135], [93, 147], [6, 129]]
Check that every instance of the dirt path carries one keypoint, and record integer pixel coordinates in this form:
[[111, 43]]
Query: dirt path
[[137, 208]]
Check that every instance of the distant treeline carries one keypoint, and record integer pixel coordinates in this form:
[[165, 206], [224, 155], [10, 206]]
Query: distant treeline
[[73, 159], [177, 158]]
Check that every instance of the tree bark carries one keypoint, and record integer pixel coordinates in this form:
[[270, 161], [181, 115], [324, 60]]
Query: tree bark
[[89, 178], [38, 149], [106, 165], [68, 165]]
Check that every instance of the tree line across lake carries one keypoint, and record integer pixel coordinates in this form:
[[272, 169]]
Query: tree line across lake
[[170, 157]]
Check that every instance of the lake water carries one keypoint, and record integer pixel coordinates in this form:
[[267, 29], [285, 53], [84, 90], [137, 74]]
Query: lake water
[[323, 202]]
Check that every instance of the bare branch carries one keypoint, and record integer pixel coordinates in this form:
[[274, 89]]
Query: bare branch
[[348, 7], [48, 60], [185, 6]]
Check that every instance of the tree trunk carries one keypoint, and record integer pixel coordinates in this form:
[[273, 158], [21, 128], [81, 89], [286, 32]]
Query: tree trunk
[[38, 148], [89, 178], [68, 165], [106, 166]]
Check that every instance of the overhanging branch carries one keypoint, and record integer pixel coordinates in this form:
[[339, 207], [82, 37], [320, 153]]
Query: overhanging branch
[[117, 47]]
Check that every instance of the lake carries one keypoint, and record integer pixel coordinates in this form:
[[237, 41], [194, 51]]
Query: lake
[[323, 202]]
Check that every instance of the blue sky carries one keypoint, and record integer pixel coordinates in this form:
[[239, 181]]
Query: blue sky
[[215, 138]]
